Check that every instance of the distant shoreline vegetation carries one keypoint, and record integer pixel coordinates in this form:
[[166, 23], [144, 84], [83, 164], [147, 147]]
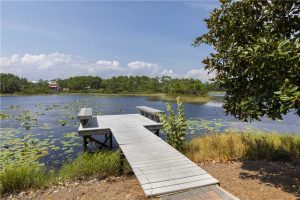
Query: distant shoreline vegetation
[[164, 88]]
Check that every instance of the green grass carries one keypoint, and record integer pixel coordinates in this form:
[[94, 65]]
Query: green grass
[[238, 146], [186, 98], [15, 178], [97, 165], [206, 148]]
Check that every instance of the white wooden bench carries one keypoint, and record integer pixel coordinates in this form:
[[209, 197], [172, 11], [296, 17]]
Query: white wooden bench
[[84, 115], [150, 113]]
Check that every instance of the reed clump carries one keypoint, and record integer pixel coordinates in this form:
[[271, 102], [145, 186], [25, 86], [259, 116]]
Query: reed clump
[[222, 147], [15, 178]]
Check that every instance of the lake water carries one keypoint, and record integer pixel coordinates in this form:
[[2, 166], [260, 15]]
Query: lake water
[[44, 128]]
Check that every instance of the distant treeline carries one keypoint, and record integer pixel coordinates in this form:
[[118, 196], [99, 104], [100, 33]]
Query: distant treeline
[[121, 84]]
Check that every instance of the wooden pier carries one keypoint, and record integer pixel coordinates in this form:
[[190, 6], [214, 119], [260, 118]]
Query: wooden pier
[[159, 167]]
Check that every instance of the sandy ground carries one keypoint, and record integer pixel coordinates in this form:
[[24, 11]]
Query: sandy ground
[[247, 180], [258, 179]]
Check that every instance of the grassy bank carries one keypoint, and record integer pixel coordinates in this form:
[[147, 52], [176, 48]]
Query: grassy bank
[[220, 147], [238, 146], [16, 178]]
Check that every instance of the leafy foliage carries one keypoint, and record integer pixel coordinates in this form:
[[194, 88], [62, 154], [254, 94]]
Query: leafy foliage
[[257, 54], [175, 126], [118, 84], [81, 82], [12, 84]]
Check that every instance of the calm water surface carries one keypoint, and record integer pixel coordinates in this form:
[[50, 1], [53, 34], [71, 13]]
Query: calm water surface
[[47, 124]]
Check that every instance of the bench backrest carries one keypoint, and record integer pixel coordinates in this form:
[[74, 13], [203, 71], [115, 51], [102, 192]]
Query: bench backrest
[[84, 115], [150, 113]]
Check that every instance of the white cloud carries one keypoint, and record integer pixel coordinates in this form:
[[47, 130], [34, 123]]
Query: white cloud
[[45, 66], [149, 69], [44, 61], [135, 65], [201, 74], [113, 64], [105, 65], [60, 65], [7, 61]]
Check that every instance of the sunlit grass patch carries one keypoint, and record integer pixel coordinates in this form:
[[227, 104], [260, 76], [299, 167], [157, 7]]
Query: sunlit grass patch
[[234, 145], [186, 98], [218, 146], [100, 164], [14, 178]]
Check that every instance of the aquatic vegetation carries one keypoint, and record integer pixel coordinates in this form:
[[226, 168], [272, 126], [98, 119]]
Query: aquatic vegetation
[[14, 107], [4, 116], [62, 122], [27, 149], [207, 126]]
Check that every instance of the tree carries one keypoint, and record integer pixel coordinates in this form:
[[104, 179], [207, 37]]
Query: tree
[[10, 83], [256, 57]]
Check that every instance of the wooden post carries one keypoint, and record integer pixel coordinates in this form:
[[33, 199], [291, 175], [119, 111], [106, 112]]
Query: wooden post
[[122, 158], [84, 143], [110, 141], [157, 132]]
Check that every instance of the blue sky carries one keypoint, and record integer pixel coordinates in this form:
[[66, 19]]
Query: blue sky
[[61, 39]]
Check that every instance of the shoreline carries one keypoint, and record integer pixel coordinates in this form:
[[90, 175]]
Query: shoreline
[[152, 96], [215, 150], [245, 179]]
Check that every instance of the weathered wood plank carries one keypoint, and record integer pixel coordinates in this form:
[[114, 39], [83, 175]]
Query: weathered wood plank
[[183, 180], [179, 187], [161, 177]]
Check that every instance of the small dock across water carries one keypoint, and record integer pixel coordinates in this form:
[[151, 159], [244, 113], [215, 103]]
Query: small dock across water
[[159, 167]]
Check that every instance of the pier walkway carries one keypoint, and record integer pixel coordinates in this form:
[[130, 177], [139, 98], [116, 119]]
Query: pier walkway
[[159, 167]]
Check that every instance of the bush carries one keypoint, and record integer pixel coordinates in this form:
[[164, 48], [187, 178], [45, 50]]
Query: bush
[[175, 126]]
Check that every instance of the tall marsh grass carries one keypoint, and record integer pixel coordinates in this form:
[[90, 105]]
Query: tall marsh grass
[[16, 178], [234, 146]]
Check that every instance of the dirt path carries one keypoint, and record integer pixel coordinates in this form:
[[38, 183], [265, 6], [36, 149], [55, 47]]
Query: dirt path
[[258, 179], [247, 180]]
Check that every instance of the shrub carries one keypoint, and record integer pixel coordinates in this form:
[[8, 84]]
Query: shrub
[[174, 126]]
